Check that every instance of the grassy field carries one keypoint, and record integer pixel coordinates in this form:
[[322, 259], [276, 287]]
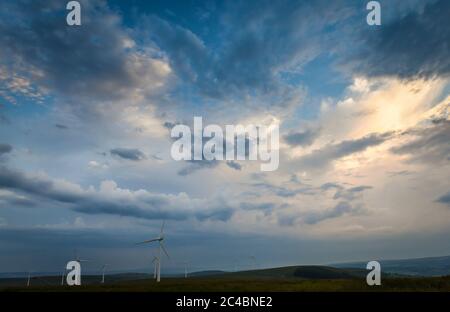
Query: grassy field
[[283, 279], [440, 284]]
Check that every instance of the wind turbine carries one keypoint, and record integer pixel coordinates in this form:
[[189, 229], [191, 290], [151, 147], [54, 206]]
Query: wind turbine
[[62, 275], [160, 240], [29, 279], [186, 268], [103, 272], [253, 259], [77, 259]]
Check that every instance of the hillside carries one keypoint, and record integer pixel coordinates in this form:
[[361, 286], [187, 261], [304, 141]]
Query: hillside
[[312, 272], [430, 266]]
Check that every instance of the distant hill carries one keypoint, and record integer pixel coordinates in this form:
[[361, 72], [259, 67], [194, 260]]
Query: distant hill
[[430, 266], [293, 273], [205, 273], [315, 272]]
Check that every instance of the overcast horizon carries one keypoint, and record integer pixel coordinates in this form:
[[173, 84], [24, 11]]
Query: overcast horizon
[[86, 114]]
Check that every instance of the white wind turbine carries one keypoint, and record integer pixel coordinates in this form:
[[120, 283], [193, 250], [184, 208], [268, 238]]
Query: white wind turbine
[[186, 263], [103, 272], [160, 240], [62, 275], [29, 279]]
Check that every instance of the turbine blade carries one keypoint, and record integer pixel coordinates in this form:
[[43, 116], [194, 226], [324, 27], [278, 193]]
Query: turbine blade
[[164, 249], [148, 241], [162, 228]]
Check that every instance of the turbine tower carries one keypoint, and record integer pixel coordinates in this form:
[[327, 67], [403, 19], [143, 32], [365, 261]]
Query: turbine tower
[[160, 240], [103, 272], [29, 278], [186, 263], [62, 275], [253, 259], [155, 270]]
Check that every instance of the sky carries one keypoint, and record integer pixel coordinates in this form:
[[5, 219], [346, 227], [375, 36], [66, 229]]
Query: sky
[[86, 113]]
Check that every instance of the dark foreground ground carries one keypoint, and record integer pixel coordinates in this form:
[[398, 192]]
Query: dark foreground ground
[[282, 279], [213, 284]]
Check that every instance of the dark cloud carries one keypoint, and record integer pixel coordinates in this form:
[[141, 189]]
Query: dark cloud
[[323, 156], [5, 148], [61, 126], [186, 51], [38, 186], [128, 153], [303, 138], [313, 217], [430, 144], [109, 199], [341, 192], [14, 200], [339, 210], [195, 165], [351, 193], [169, 125], [415, 45], [294, 179], [94, 62], [252, 51], [234, 165], [330, 185], [266, 208], [358, 189], [282, 191], [444, 199]]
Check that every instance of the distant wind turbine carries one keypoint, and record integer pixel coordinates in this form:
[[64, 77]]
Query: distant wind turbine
[[160, 240], [186, 263], [253, 259], [29, 278], [103, 272], [62, 275]]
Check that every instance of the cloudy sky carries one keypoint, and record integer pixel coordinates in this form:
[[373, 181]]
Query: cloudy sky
[[86, 113]]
